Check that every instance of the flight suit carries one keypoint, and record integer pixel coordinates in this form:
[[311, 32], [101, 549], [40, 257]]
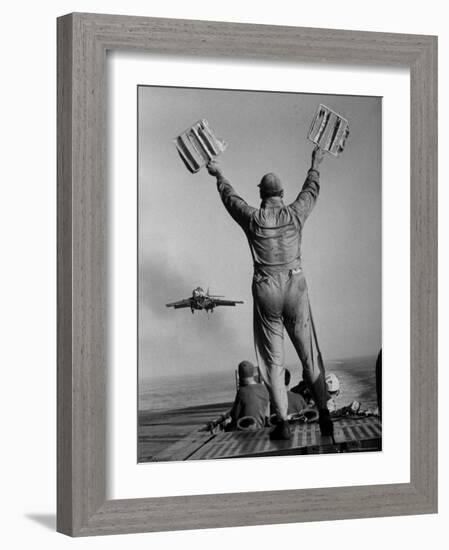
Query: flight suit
[[279, 286]]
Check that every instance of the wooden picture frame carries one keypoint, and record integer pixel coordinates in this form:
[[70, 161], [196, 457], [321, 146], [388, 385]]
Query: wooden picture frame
[[83, 40]]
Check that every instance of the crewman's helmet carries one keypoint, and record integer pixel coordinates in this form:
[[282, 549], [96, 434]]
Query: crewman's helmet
[[246, 371], [332, 383], [270, 183], [247, 424]]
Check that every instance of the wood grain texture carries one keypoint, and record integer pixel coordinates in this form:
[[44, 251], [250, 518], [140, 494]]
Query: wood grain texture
[[64, 278], [424, 258], [83, 40]]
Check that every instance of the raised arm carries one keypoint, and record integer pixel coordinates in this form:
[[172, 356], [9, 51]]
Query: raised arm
[[234, 204], [308, 195]]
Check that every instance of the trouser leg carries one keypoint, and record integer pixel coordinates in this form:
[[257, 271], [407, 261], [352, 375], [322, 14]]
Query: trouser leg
[[298, 325], [269, 342]]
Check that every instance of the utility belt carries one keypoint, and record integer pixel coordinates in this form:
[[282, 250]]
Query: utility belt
[[292, 268]]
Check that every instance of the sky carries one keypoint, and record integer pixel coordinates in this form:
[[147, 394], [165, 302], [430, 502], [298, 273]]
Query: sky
[[187, 239]]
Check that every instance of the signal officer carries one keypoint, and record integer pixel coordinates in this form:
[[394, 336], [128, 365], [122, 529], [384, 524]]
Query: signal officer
[[279, 286]]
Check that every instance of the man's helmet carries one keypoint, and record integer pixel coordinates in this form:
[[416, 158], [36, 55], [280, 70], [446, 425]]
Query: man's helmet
[[270, 183], [332, 383], [247, 424]]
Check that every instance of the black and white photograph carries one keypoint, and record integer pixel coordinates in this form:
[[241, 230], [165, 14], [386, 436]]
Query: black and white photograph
[[259, 273], [223, 235]]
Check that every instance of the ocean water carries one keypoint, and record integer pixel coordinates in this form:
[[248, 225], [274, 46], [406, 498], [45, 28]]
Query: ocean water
[[179, 392], [356, 375]]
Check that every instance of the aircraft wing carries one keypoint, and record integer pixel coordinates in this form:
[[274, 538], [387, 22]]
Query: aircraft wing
[[218, 302], [180, 304]]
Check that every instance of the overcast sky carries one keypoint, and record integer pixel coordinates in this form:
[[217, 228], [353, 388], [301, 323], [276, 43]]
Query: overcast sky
[[187, 239]]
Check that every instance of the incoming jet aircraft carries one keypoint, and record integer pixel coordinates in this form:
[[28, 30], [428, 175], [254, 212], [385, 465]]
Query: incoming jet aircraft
[[202, 300]]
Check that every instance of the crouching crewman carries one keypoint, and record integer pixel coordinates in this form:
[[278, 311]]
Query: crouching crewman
[[251, 402]]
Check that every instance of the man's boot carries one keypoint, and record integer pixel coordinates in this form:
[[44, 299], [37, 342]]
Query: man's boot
[[326, 426], [319, 392], [281, 431]]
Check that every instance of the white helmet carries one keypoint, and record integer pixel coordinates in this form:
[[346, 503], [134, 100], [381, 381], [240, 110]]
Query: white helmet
[[332, 382]]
